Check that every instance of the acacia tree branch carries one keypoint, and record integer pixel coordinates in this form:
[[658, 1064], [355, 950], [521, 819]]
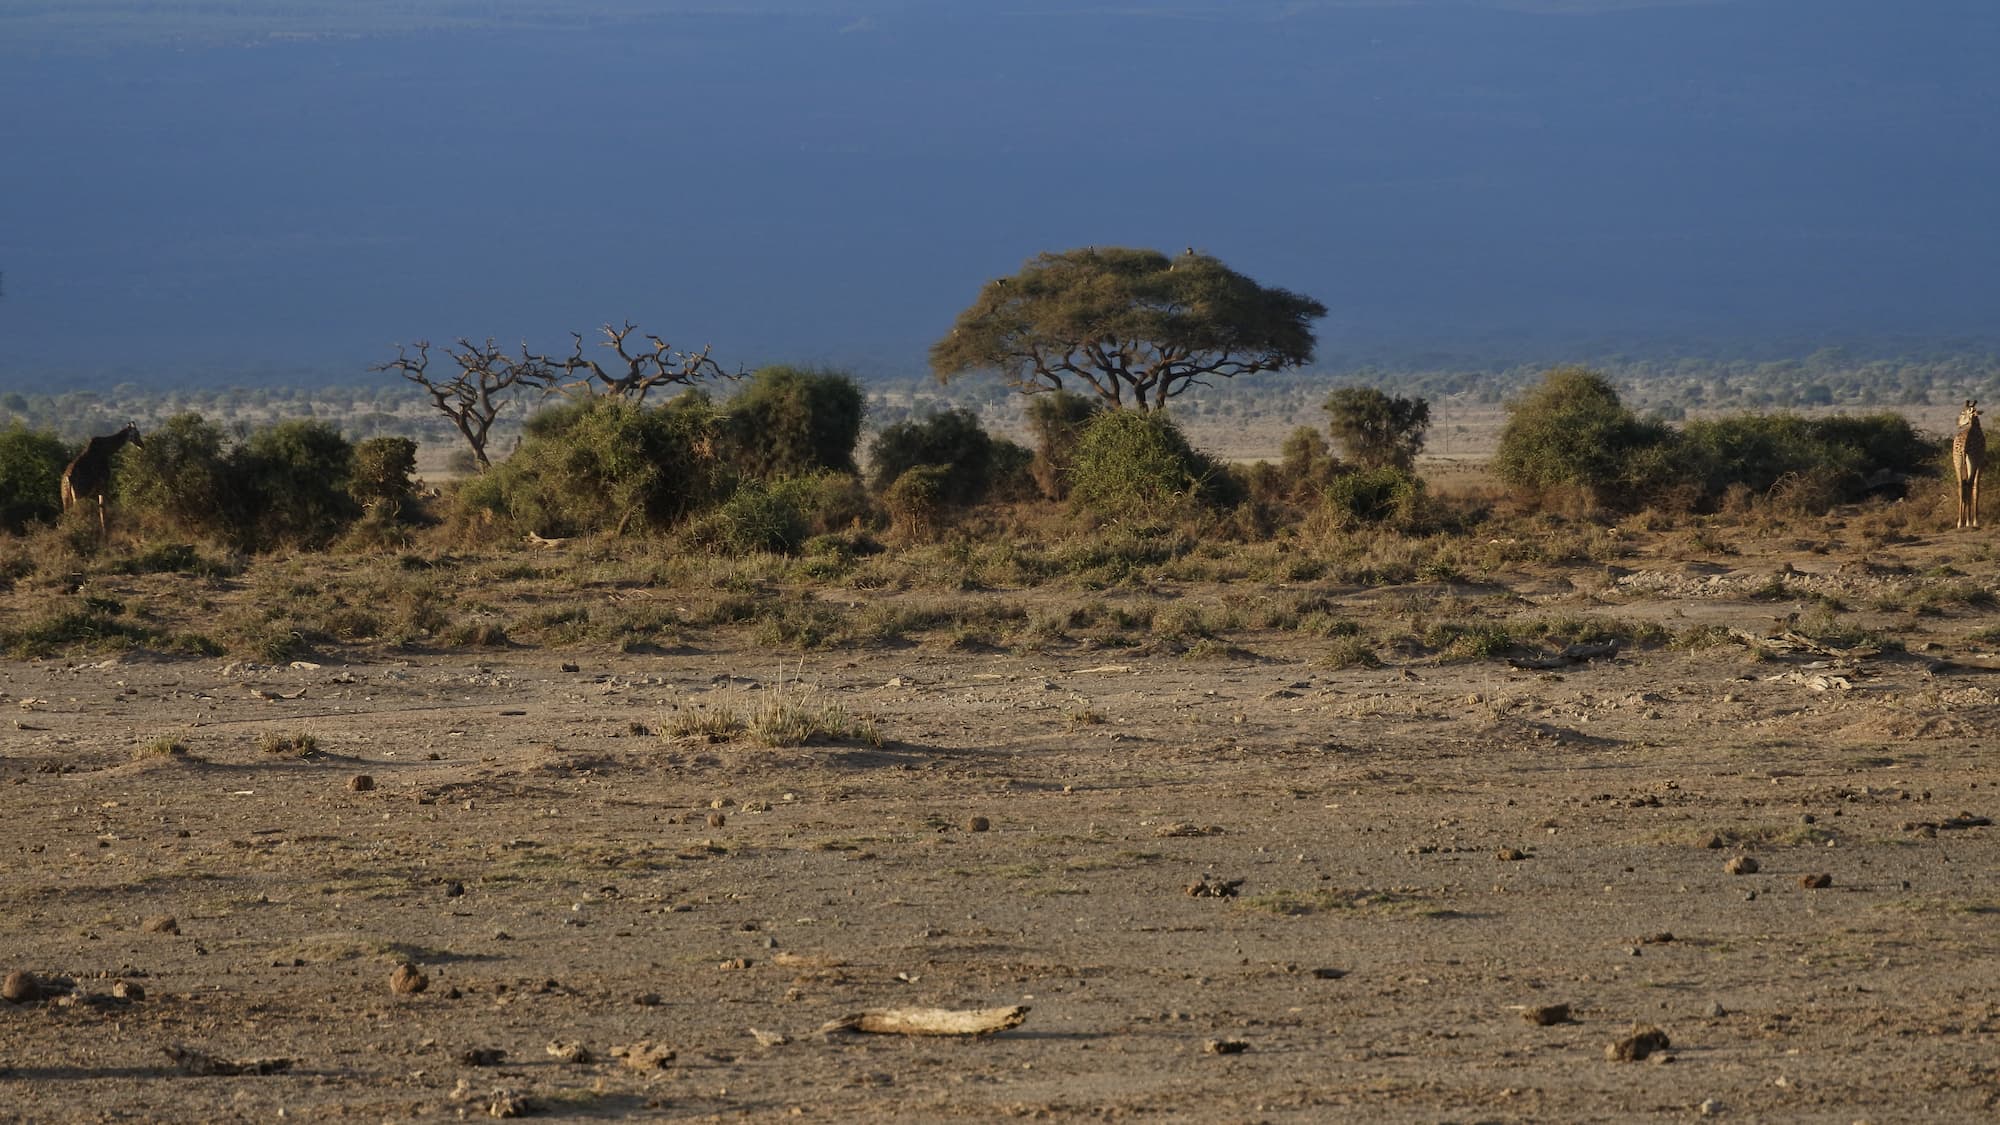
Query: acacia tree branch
[[473, 397], [644, 369]]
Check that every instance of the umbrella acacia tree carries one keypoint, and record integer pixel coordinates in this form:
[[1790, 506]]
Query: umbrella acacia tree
[[1136, 327]]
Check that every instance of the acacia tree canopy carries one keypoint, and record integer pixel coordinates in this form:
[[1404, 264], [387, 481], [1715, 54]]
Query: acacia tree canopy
[[1137, 327]]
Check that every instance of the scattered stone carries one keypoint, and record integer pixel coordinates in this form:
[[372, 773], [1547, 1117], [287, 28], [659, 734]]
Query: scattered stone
[[1225, 1047], [1548, 1015], [360, 783], [1187, 828], [126, 990], [1661, 938], [21, 988], [647, 1000], [977, 824], [1716, 1011], [201, 1064], [929, 1021], [1714, 842], [1206, 887], [408, 980], [769, 1038], [161, 924], [1642, 1042], [570, 1051], [1510, 855], [482, 1056], [734, 963], [454, 889], [1329, 974], [645, 1055], [1816, 882], [717, 820], [1741, 865], [507, 1103], [1709, 1107]]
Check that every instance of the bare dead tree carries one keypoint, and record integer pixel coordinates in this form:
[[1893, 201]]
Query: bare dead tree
[[481, 388], [643, 368]]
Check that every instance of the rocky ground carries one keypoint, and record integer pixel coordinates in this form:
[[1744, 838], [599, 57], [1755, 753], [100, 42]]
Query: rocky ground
[[1244, 884]]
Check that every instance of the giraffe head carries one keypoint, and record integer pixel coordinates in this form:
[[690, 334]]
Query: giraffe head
[[1970, 415]]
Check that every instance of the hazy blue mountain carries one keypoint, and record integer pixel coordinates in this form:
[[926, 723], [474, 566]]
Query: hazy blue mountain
[[244, 188]]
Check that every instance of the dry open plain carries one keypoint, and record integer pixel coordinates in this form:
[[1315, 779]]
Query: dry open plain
[[1392, 866]]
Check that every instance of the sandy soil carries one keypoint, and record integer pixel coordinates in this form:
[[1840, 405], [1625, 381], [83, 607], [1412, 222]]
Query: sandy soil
[[1405, 860]]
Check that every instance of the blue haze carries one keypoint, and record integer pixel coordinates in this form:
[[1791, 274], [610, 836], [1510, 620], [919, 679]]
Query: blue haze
[[831, 184]]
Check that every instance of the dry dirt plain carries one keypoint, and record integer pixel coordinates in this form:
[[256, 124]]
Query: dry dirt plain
[[1426, 850]]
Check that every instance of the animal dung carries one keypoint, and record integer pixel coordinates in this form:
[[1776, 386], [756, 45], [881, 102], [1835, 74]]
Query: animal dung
[[408, 980]]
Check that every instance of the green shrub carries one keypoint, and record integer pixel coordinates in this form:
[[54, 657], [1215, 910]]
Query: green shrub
[[1376, 429], [1571, 431], [829, 502], [1810, 463], [916, 499], [757, 518], [31, 467], [789, 422], [1373, 496], [1133, 463], [382, 468], [1057, 420], [950, 441], [181, 480], [606, 464], [291, 479]]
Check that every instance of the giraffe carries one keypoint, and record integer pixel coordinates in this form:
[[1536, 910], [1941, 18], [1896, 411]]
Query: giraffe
[[90, 473], [1968, 457]]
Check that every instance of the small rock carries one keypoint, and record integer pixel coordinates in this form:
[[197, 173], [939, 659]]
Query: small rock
[[1661, 938], [1816, 882], [1642, 1042], [126, 990], [1709, 1107], [1205, 887], [408, 980], [507, 1103], [1714, 842], [734, 963], [647, 1000], [570, 1051], [360, 783], [1225, 1047], [161, 924], [1741, 865], [1548, 1015], [454, 889], [1329, 974], [1510, 855], [977, 824], [482, 1056], [21, 988], [769, 1038], [1716, 1011], [645, 1055]]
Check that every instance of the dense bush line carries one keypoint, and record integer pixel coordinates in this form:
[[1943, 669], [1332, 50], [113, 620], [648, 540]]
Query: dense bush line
[[774, 469]]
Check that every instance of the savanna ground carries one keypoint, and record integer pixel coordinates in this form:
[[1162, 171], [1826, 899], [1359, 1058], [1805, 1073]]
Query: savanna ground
[[578, 831]]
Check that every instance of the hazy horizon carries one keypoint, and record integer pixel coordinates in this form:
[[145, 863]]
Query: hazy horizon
[[300, 186]]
